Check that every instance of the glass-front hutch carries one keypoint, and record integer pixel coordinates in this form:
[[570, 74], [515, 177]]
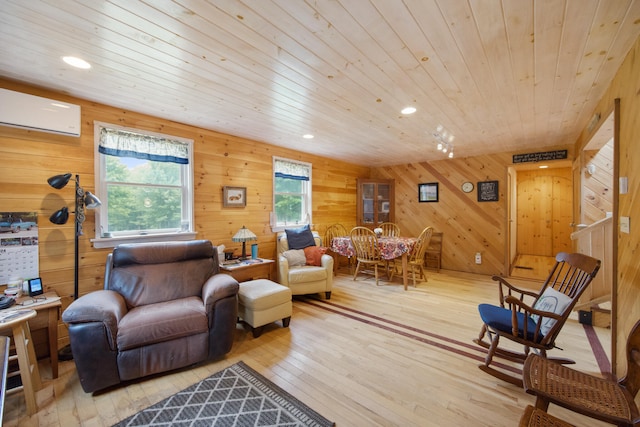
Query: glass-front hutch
[[376, 202]]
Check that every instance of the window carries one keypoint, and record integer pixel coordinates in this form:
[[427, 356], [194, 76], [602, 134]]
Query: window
[[291, 193], [145, 183]]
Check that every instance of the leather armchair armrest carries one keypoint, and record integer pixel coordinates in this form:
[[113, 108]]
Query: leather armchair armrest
[[220, 297], [103, 306], [327, 262], [217, 287], [283, 270]]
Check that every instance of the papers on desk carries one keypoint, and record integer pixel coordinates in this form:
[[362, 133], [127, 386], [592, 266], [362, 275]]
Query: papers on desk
[[240, 264], [32, 302]]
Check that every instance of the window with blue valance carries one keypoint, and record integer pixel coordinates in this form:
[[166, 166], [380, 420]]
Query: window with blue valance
[[145, 180], [115, 142], [291, 170], [291, 193]]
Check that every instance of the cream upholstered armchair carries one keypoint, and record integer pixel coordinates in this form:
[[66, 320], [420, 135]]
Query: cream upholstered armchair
[[303, 266]]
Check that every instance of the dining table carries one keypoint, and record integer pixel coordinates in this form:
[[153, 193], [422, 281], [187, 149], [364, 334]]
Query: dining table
[[390, 248]]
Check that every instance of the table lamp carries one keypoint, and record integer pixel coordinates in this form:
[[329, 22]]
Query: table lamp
[[244, 235]]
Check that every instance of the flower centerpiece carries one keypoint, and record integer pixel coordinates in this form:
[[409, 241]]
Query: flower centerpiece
[[378, 231]]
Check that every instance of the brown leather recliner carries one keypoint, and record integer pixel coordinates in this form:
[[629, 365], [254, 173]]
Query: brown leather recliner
[[164, 306]]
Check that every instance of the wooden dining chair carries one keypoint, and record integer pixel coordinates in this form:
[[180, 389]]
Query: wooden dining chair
[[390, 229], [365, 244], [335, 230], [604, 399], [417, 256], [534, 326]]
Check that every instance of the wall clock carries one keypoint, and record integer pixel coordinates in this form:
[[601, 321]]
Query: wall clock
[[467, 187]]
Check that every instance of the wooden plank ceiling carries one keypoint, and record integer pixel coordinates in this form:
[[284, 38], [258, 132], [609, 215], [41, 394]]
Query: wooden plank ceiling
[[500, 75]]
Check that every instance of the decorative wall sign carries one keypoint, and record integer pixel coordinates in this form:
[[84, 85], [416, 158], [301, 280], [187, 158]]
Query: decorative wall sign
[[234, 197], [543, 156], [488, 191], [428, 192]]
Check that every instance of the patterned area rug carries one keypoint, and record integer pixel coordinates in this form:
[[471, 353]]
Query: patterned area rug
[[236, 396]]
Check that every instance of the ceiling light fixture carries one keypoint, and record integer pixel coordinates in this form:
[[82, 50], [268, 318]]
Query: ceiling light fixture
[[408, 110], [76, 62], [444, 138], [307, 136]]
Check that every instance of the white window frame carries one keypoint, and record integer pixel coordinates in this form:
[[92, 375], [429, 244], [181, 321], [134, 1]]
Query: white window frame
[[277, 226], [187, 230]]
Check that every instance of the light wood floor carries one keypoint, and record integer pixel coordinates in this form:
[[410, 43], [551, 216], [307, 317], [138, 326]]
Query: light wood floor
[[351, 359], [532, 267]]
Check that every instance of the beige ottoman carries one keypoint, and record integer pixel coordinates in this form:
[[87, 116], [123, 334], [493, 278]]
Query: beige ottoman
[[263, 301]]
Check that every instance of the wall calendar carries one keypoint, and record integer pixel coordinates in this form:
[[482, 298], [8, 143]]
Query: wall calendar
[[18, 246]]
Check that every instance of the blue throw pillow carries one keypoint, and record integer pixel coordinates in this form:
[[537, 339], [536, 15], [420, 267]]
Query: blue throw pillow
[[300, 238]]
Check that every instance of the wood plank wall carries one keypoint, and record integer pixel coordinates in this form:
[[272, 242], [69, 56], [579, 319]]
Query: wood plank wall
[[597, 195], [625, 87], [29, 158], [469, 226]]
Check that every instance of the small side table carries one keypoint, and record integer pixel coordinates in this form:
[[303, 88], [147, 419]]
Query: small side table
[[250, 269]]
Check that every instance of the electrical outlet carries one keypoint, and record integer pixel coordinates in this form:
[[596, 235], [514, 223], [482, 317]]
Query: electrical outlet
[[478, 258]]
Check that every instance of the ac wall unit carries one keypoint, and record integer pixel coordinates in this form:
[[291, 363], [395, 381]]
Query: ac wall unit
[[40, 114]]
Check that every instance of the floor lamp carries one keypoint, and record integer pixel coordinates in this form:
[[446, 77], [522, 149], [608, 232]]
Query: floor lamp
[[84, 199]]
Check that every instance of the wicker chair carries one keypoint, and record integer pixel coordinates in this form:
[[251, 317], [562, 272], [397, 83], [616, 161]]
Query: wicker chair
[[601, 398], [390, 229], [365, 243], [534, 417], [534, 326], [417, 256]]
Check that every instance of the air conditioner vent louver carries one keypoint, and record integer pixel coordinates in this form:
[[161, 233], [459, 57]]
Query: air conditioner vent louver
[[40, 114]]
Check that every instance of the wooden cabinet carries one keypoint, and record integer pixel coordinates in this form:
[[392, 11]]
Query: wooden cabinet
[[376, 202]]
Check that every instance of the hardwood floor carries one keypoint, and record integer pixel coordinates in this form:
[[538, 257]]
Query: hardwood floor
[[532, 267], [370, 356]]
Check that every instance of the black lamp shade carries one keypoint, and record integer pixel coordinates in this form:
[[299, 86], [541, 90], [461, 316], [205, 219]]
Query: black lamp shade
[[91, 201], [59, 181], [60, 216]]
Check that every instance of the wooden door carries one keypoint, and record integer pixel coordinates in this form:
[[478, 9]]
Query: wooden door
[[545, 210]]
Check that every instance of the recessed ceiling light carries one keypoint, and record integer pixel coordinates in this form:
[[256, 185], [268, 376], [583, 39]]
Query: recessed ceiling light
[[76, 62], [408, 110], [307, 136]]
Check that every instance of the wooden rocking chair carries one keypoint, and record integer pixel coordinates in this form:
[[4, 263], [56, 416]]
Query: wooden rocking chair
[[535, 326]]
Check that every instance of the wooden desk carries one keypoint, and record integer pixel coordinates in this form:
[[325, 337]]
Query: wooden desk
[[245, 272], [44, 327]]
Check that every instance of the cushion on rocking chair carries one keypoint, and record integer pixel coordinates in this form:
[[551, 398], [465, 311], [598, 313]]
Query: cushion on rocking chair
[[499, 318]]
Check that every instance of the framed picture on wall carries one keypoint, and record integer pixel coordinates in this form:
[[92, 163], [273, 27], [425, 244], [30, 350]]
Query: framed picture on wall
[[234, 197], [428, 192], [488, 191]]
